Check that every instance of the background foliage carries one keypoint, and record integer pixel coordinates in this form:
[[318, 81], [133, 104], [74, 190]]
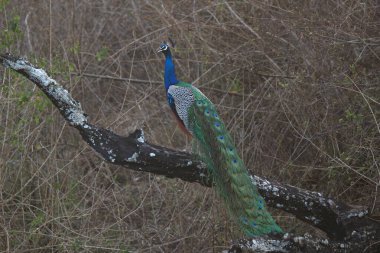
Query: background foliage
[[297, 83]]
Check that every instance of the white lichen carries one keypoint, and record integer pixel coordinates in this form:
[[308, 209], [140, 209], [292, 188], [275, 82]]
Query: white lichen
[[263, 245], [331, 203], [275, 191], [32, 71], [201, 166], [111, 153], [313, 219], [91, 139], [76, 118], [133, 158], [152, 154], [189, 163], [325, 242], [141, 138], [71, 108], [323, 202], [357, 214], [299, 239]]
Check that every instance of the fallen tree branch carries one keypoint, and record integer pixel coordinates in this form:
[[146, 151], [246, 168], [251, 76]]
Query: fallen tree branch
[[343, 224], [305, 243]]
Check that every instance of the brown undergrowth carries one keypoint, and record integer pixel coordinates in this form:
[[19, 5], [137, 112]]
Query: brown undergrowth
[[297, 83]]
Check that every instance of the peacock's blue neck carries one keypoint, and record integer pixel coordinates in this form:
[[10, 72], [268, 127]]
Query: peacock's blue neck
[[169, 76]]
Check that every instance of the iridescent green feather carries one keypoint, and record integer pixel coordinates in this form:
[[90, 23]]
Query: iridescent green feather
[[234, 185]]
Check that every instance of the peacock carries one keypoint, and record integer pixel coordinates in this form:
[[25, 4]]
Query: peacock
[[198, 118]]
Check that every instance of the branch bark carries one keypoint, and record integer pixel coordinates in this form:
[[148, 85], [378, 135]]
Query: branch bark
[[349, 229]]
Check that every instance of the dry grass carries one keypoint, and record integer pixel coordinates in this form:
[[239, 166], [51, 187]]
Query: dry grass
[[297, 82]]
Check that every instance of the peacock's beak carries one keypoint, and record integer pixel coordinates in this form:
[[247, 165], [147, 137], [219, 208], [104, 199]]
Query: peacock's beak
[[159, 50]]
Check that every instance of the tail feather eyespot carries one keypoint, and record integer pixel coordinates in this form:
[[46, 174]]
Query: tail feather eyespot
[[217, 125], [244, 220], [261, 204]]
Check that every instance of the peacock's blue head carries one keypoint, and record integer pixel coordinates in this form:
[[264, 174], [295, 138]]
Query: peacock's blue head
[[164, 48], [169, 74]]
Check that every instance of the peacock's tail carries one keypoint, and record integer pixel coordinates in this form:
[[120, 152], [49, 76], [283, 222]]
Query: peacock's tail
[[233, 183]]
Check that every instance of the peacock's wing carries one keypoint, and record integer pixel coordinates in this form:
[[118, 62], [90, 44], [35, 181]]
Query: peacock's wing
[[215, 147], [181, 98]]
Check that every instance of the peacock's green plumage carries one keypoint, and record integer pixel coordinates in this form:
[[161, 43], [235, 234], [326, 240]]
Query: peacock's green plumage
[[214, 146]]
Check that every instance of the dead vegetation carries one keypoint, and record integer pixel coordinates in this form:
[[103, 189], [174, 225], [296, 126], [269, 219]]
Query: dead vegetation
[[297, 84]]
